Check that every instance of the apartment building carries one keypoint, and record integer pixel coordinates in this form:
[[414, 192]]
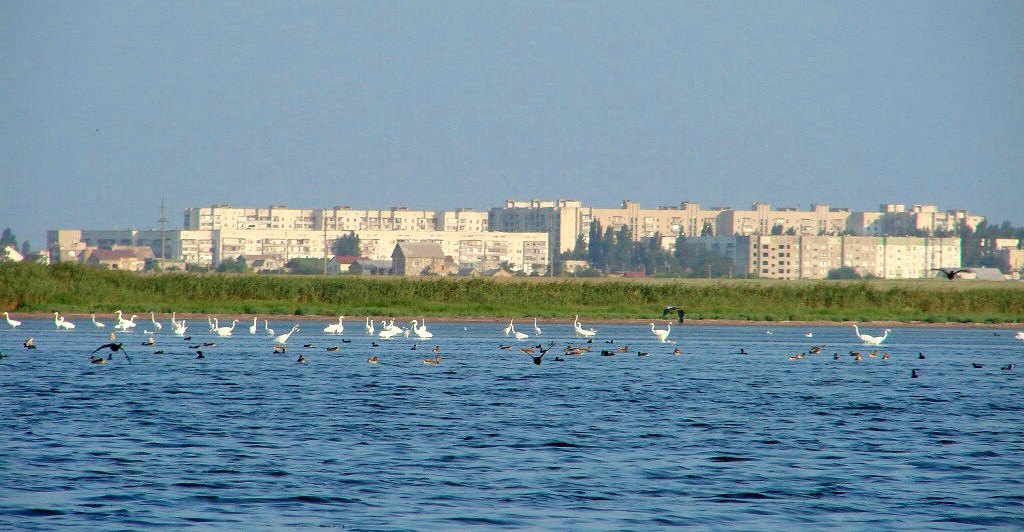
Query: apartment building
[[562, 220], [897, 219], [227, 217], [813, 257], [761, 219]]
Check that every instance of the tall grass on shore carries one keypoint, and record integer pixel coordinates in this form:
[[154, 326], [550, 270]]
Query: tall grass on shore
[[74, 288]]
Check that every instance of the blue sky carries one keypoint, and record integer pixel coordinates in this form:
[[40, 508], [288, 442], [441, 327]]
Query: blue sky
[[107, 107]]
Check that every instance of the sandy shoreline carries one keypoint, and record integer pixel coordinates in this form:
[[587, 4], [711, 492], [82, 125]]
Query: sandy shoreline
[[142, 319]]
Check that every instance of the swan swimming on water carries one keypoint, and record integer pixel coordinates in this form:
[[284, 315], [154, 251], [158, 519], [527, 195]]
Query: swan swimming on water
[[284, 337], [336, 328], [61, 323], [868, 339], [97, 324], [421, 330], [662, 334], [11, 321], [580, 331], [226, 331]]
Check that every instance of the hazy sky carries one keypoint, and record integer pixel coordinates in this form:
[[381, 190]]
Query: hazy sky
[[107, 107]]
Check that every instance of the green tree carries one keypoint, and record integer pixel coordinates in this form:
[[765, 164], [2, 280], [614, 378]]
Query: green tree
[[844, 273], [596, 250], [707, 263], [305, 266], [237, 265], [8, 239], [347, 245]]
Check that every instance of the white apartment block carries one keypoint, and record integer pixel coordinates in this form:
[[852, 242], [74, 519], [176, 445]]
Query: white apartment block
[[813, 257], [337, 218], [227, 217], [567, 220], [479, 250]]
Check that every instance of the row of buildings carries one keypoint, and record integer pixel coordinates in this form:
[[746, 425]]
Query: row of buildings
[[528, 236]]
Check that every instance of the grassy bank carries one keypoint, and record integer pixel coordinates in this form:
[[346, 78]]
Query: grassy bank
[[71, 288]]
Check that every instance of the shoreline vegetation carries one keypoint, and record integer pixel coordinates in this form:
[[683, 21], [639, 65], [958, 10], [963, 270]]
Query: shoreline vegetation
[[76, 289]]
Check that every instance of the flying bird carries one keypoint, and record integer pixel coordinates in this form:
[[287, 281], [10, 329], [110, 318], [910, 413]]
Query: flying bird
[[679, 312], [113, 347], [951, 273]]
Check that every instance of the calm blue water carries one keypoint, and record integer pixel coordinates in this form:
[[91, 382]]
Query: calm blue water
[[247, 439]]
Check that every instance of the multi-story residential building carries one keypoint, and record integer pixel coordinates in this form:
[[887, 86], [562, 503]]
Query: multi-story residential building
[[562, 220], [775, 257], [896, 220], [762, 220], [735, 248], [67, 245], [565, 221], [813, 257], [227, 217]]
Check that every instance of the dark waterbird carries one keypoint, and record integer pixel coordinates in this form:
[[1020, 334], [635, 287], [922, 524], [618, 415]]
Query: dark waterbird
[[920, 356], [913, 373], [30, 343], [199, 354], [543, 351], [301, 359], [951, 273], [975, 365], [679, 312], [113, 347], [1007, 367]]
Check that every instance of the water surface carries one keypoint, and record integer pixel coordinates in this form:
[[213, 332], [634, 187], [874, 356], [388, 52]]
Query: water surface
[[249, 439]]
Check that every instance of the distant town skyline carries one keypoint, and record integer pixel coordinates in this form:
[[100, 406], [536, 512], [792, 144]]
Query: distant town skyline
[[110, 107]]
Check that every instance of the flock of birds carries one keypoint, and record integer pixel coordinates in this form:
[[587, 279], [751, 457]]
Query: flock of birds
[[417, 329]]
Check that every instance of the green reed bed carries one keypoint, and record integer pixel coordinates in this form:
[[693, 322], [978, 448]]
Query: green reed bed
[[72, 288]]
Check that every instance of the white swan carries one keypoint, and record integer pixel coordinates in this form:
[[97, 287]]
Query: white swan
[[662, 334], [518, 335], [174, 321], [252, 328], [868, 339], [157, 324], [59, 321], [336, 328], [213, 323], [97, 324], [284, 337], [266, 327], [508, 330], [226, 331], [580, 331], [1019, 335], [369, 326], [421, 330], [391, 327], [12, 322], [180, 328], [124, 325], [388, 333], [536, 329]]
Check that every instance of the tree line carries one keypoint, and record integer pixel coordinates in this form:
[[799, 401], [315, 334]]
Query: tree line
[[611, 251]]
